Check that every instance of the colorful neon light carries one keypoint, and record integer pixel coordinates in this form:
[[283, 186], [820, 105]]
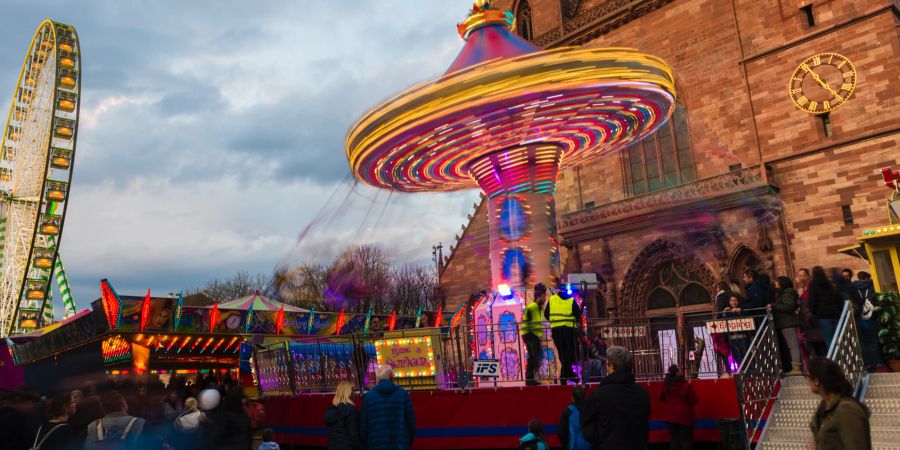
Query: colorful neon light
[[213, 317], [367, 322], [392, 321], [145, 311], [248, 321], [438, 319], [279, 320], [219, 344], [184, 343], [171, 344], [205, 346], [505, 118], [115, 349], [112, 305], [178, 311], [340, 322]]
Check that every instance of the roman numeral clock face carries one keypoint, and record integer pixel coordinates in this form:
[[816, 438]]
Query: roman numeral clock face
[[822, 83]]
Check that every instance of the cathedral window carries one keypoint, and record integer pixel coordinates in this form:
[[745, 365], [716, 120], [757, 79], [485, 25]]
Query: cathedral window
[[663, 159], [523, 20]]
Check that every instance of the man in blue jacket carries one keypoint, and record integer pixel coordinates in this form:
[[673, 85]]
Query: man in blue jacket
[[387, 421]]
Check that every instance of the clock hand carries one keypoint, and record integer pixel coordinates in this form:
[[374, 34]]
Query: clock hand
[[822, 82]]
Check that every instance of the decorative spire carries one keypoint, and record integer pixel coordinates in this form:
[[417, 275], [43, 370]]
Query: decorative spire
[[484, 14]]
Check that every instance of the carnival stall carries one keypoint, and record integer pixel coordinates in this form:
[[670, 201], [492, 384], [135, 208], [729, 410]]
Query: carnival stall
[[880, 245]]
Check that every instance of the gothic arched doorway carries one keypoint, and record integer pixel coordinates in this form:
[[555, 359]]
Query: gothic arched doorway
[[673, 289]]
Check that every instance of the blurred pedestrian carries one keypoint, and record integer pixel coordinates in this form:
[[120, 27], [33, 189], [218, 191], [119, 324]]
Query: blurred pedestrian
[[116, 429], [617, 413], [534, 439], [868, 328], [171, 405], [231, 424], [678, 399], [88, 408], [387, 421], [811, 340], [845, 290], [824, 304], [268, 440], [570, 433], [841, 422], [56, 434], [737, 340], [786, 323], [758, 291], [186, 427], [342, 420]]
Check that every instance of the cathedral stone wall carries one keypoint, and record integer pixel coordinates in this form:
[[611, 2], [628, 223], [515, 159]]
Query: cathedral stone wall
[[774, 183]]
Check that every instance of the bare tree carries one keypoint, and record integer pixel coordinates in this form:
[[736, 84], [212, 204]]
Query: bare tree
[[304, 286], [358, 279], [411, 286], [241, 284], [361, 277]]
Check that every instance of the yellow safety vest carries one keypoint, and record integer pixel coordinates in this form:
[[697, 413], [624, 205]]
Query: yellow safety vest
[[561, 312], [532, 320]]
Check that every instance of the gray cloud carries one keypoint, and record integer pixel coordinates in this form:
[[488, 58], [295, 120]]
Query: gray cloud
[[212, 132]]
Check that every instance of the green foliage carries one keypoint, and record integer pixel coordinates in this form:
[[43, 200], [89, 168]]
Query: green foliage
[[887, 315]]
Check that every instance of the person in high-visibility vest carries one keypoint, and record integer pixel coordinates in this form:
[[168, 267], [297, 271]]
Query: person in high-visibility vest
[[564, 316], [532, 331]]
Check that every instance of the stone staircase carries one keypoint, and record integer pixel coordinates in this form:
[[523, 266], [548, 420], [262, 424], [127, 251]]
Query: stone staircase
[[882, 396], [788, 425]]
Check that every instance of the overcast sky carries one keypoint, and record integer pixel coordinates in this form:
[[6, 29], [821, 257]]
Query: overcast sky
[[212, 133]]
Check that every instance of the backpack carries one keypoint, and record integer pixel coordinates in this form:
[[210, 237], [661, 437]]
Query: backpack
[[112, 444], [534, 444], [867, 310], [37, 445], [576, 436], [181, 426]]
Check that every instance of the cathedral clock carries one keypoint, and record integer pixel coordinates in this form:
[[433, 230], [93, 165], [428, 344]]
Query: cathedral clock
[[822, 82]]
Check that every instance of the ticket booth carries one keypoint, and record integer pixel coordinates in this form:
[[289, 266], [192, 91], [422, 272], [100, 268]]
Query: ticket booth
[[880, 245]]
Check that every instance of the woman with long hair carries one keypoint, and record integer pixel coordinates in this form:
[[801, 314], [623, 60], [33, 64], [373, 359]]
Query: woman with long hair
[[678, 400], [841, 422], [342, 420]]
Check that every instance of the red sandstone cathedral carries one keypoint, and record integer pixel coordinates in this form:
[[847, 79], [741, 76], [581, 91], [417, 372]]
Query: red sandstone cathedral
[[787, 111]]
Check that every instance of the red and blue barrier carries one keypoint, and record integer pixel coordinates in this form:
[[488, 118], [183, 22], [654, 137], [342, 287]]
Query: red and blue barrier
[[492, 418]]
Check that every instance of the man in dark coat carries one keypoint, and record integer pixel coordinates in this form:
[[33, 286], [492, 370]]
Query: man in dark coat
[[758, 291], [387, 421], [617, 413]]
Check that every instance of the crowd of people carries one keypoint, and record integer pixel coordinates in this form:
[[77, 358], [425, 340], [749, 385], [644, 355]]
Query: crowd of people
[[805, 311], [210, 413], [615, 415]]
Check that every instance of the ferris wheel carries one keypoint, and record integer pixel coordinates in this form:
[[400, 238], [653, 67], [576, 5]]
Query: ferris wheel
[[38, 149]]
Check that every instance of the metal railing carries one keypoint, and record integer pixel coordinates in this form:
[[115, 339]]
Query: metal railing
[[845, 348], [758, 379], [706, 345]]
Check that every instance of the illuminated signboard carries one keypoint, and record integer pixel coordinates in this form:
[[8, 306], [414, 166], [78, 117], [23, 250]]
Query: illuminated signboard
[[409, 357]]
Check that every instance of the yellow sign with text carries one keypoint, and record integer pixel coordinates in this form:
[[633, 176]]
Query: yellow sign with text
[[409, 357]]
